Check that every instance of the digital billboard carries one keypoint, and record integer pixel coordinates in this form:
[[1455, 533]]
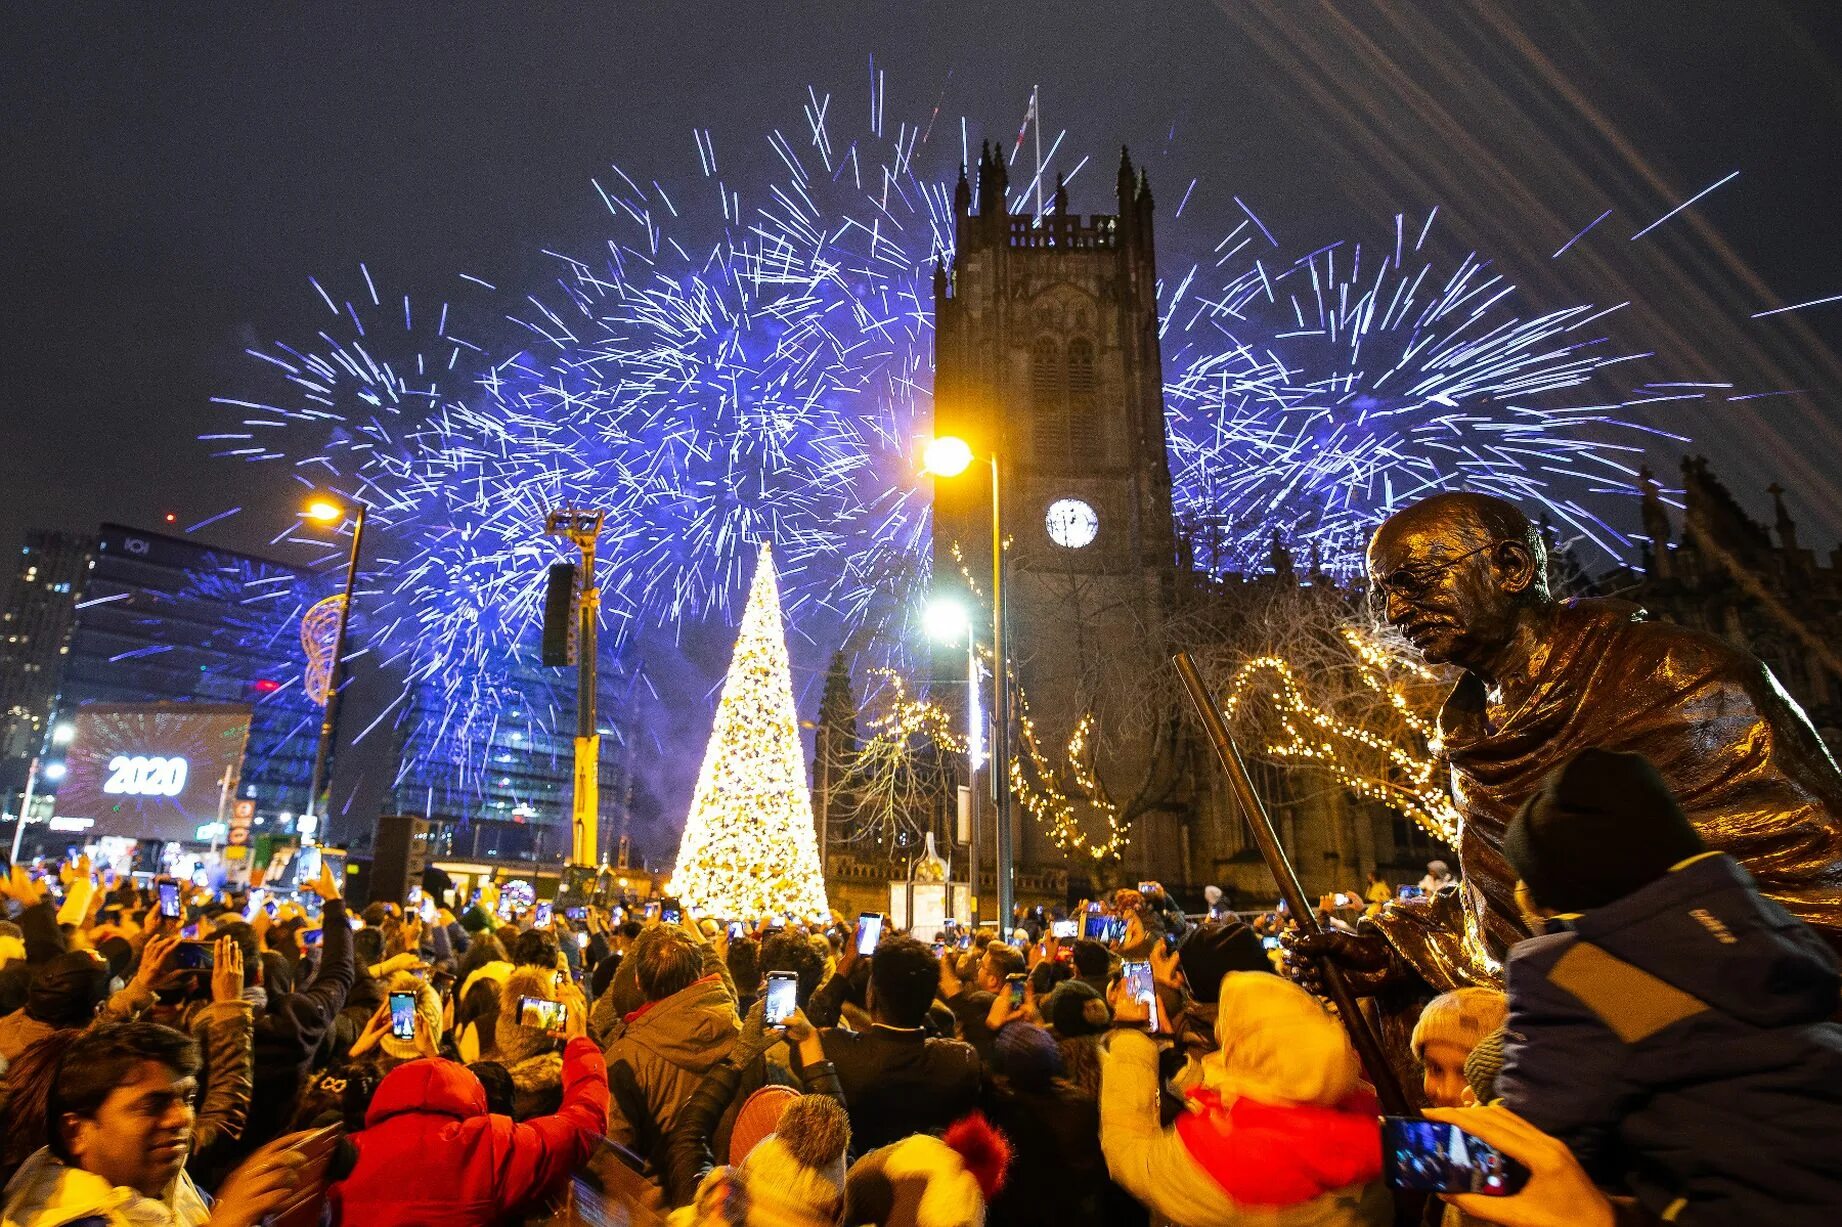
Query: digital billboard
[[151, 770]]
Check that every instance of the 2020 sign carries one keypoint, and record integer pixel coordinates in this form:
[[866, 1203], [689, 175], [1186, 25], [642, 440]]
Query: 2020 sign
[[141, 775]]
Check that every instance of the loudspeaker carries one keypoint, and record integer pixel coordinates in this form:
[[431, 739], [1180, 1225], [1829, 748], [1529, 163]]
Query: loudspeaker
[[560, 616], [398, 857]]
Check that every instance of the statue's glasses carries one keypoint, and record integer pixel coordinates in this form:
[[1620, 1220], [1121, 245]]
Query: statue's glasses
[[1412, 583]]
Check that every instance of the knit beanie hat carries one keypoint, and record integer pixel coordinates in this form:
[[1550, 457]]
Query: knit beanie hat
[[1484, 1064], [1214, 950], [796, 1174], [1026, 1054], [1460, 1018], [476, 919], [1075, 1008], [925, 1181], [758, 1117], [1601, 826]]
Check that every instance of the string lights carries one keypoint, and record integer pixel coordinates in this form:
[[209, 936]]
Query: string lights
[[749, 848], [1409, 781]]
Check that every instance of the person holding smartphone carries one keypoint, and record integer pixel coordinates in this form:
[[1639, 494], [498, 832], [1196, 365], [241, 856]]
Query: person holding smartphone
[[1282, 1122]]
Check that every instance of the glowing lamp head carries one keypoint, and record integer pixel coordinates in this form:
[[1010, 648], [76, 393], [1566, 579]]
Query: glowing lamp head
[[947, 456], [54, 772], [945, 620], [62, 734], [325, 511]]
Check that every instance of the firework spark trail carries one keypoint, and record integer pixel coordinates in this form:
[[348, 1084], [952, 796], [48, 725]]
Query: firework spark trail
[[1306, 403], [732, 367]]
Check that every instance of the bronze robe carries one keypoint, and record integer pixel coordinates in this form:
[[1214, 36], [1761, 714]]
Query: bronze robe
[[1744, 762]]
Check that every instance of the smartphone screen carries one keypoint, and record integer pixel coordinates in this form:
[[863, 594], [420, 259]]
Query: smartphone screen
[[670, 911], [1432, 1157], [310, 937], [1094, 927], [540, 1013], [1413, 892], [169, 900], [403, 1015], [581, 941], [1064, 930], [735, 930], [1269, 943], [545, 911], [1143, 987], [194, 956], [576, 913], [1016, 986], [429, 911], [782, 995], [414, 898], [1145, 888], [940, 949], [869, 931]]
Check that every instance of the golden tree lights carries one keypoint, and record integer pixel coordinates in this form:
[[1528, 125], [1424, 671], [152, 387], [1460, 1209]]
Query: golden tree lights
[[1054, 807], [749, 849], [1394, 760]]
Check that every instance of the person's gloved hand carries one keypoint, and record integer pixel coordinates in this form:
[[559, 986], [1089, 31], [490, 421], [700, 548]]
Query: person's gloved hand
[[1365, 959], [756, 1038]]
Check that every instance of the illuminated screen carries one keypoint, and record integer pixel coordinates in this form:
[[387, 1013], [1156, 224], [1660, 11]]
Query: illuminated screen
[[152, 771]]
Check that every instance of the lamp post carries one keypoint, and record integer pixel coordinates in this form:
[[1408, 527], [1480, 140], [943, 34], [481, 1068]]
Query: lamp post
[[325, 511], [946, 621], [948, 456]]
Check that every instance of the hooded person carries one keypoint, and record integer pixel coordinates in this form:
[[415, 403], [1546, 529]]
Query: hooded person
[[1281, 1130], [531, 1056], [665, 1047], [1674, 1026], [431, 1152], [65, 993]]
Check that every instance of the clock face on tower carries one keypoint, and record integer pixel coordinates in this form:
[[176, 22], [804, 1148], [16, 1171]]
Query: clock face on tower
[[1072, 523]]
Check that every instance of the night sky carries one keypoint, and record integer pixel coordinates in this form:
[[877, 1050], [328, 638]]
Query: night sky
[[173, 174]]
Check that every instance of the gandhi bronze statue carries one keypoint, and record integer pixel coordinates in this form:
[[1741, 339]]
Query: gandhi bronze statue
[[1464, 579]]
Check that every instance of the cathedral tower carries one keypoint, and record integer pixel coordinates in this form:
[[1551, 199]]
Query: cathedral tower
[[1046, 353]]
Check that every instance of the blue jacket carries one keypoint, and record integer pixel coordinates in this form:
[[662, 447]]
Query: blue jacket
[[1681, 1042]]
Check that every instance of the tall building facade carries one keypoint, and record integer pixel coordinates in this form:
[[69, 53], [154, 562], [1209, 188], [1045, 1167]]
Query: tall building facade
[[1047, 356], [166, 619], [35, 631], [1758, 586]]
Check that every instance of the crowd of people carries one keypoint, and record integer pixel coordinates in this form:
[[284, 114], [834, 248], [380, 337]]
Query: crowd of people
[[1665, 1051]]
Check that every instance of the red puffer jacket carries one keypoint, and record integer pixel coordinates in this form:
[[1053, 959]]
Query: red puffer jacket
[[430, 1153]]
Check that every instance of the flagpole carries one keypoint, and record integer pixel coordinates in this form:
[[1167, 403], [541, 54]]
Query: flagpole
[[1036, 110]]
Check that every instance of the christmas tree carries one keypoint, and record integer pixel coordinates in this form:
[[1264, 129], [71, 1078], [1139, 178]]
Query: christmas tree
[[748, 847]]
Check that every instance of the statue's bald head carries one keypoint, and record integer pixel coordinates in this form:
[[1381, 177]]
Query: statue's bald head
[[1467, 520], [1454, 570]]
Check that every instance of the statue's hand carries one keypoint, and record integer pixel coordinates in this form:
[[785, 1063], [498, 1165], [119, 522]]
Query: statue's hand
[[1365, 959]]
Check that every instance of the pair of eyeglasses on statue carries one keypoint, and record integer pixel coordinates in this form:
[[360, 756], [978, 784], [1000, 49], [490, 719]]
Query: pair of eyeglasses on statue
[[1411, 582]]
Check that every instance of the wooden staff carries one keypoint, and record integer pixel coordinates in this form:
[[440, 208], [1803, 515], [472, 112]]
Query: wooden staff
[[1381, 1074]]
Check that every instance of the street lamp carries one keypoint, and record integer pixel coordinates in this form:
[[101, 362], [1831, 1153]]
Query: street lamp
[[948, 456], [326, 511], [947, 621]]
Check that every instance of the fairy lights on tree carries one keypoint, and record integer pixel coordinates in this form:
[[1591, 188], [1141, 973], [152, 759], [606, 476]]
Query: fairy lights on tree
[[749, 848]]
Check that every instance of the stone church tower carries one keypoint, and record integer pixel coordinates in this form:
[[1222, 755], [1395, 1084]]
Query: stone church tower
[[1046, 354]]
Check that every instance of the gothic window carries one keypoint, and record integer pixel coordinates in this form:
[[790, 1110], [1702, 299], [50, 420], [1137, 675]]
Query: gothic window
[[1047, 405], [1083, 426]]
